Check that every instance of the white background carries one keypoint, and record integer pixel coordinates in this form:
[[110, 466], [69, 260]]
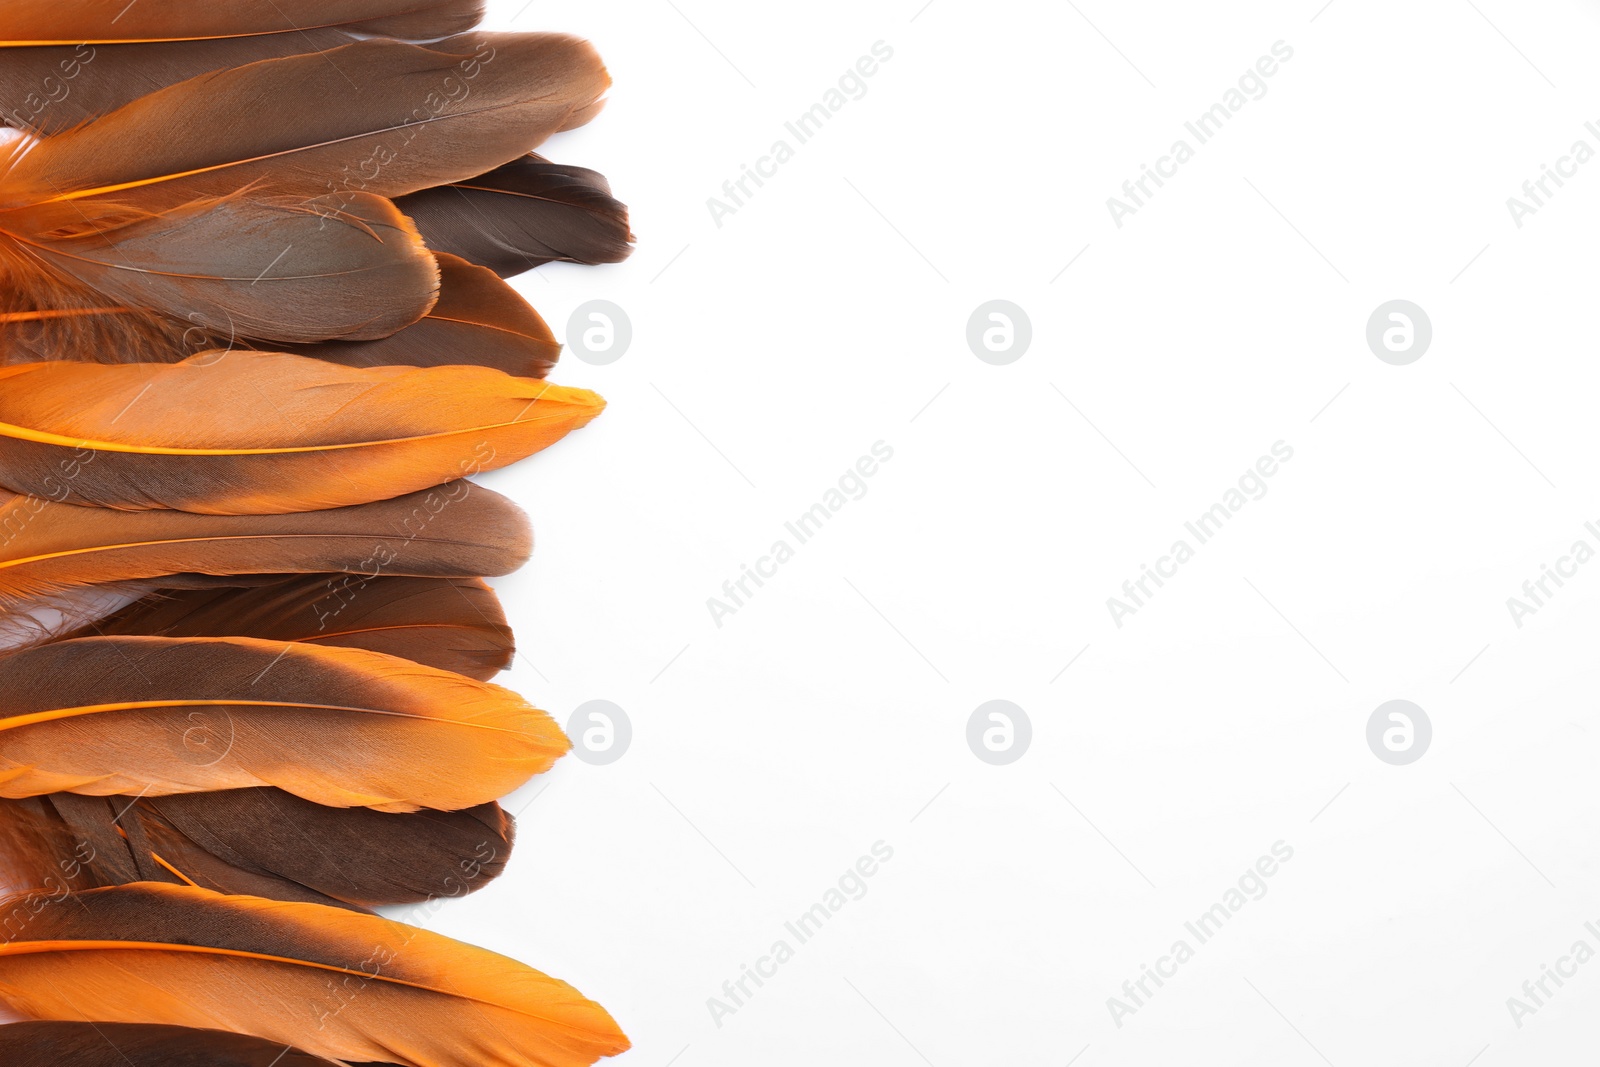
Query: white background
[[829, 312]]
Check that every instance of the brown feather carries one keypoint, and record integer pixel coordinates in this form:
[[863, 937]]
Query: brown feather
[[478, 320], [458, 530], [86, 1044], [524, 214], [53, 88], [292, 126], [455, 624], [346, 266], [39, 850], [34, 22], [356, 856], [259, 842], [46, 315], [229, 200]]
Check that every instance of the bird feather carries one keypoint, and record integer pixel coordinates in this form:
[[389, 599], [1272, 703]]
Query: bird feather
[[242, 433], [342, 727], [337, 984]]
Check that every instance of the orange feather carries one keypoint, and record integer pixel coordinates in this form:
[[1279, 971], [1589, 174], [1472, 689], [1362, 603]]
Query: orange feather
[[338, 726], [242, 433], [335, 983]]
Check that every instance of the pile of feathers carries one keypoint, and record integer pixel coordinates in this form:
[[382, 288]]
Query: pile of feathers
[[254, 342]]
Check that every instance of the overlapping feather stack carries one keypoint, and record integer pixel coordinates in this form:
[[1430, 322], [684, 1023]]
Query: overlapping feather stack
[[253, 342]]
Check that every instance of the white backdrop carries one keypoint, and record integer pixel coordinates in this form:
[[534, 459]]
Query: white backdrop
[[778, 339]]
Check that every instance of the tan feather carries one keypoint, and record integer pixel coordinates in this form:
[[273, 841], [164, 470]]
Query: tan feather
[[457, 530]]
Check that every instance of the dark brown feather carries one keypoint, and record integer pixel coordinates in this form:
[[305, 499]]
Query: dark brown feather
[[357, 856], [40, 850], [455, 624], [86, 1044], [259, 842], [478, 319], [524, 214]]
